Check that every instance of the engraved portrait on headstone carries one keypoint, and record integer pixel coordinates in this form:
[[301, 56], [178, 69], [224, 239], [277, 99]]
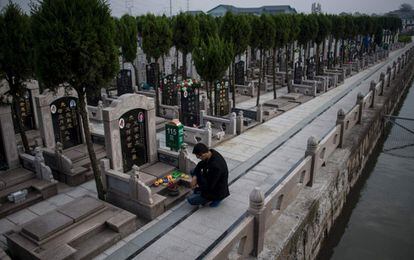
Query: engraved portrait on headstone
[[66, 121], [132, 127]]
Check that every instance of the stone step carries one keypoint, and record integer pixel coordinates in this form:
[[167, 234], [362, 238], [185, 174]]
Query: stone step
[[15, 176], [86, 162], [88, 248]]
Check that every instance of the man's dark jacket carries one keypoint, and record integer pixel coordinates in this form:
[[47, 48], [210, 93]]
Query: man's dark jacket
[[212, 177]]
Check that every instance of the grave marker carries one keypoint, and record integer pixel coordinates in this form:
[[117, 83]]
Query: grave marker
[[130, 134], [311, 69], [124, 82], [169, 91], [298, 73], [221, 98], [132, 127], [239, 73], [190, 103], [66, 121], [269, 65], [26, 112], [152, 71]]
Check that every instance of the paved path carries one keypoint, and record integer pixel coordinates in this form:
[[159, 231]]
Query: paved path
[[288, 133]]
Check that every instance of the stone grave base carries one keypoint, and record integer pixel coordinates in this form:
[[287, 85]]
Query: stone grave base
[[161, 200], [82, 170], [21, 179], [80, 229]]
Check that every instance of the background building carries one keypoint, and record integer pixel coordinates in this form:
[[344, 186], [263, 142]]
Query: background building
[[221, 10]]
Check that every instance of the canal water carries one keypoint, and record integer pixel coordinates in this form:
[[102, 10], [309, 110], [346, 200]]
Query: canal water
[[378, 219]]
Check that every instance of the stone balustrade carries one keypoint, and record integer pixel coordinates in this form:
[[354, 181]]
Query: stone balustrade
[[264, 211]]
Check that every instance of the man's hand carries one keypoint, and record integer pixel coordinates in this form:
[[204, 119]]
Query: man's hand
[[193, 182]]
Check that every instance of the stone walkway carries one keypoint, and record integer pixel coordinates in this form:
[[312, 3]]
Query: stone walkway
[[288, 133]]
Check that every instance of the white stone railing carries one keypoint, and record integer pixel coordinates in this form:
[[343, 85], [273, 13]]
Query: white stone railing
[[248, 233]]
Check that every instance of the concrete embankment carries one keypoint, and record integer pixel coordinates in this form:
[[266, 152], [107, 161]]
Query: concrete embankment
[[301, 229]]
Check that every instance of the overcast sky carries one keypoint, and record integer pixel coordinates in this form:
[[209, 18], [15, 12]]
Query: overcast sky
[[119, 7]]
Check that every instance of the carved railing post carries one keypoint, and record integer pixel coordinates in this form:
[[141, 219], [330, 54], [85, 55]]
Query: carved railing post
[[232, 125], [256, 208], [259, 113], [239, 123], [340, 120], [389, 76], [382, 79], [372, 88], [209, 134], [360, 99], [311, 151]]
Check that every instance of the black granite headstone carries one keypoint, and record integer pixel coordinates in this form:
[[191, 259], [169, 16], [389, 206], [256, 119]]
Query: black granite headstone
[[26, 113], [269, 65], [152, 71], [132, 127], [169, 90], [190, 104], [298, 73], [221, 98], [66, 123], [124, 82], [311, 69], [239, 73]]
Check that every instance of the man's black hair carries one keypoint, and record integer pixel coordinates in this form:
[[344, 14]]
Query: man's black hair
[[200, 149]]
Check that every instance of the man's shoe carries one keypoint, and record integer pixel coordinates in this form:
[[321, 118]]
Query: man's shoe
[[215, 203]]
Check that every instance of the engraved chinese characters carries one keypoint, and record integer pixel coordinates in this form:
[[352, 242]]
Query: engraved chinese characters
[[65, 120], [190, 104], [221, 98], [124, 82], [26, 112], [169, 91], [132, 127]]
